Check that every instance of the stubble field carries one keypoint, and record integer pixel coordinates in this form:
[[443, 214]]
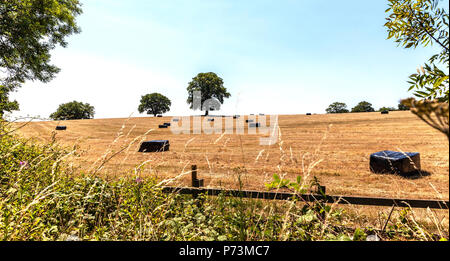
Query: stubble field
[[333, 148]]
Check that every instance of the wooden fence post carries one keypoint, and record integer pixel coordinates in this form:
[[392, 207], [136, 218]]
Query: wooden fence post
[[194, 175], [196, 183]]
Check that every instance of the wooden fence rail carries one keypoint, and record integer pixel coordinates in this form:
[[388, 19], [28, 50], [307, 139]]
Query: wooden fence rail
[[368, 201]]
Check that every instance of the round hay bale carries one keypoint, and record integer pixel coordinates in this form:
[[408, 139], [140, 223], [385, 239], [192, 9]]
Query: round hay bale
[[61, 127], [163, 126], [154, 146]]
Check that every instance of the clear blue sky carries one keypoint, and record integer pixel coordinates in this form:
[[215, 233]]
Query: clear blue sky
[[276, 57]]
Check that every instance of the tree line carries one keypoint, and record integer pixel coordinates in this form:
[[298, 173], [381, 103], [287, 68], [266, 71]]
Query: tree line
[[363, 106], [209, 84]]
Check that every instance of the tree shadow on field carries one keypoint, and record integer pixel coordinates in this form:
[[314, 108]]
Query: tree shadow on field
[[417, 174]]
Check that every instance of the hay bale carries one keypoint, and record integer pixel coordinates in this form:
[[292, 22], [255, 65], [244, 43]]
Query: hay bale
[[154, 146], [255, 125], [210, 119], [175, 120], [385, 112], [163, 126], [61, 128], [308, 114], [167, 124], [247, 121], [159, 116], [236, 116], [394, 162]]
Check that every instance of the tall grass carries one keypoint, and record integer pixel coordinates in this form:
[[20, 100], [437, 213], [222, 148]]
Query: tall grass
[[43, 197]]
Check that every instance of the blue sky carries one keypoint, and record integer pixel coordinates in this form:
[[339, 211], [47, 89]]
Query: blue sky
[[275, 57]]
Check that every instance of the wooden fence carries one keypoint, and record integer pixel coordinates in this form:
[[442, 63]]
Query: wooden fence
[[197, 189]]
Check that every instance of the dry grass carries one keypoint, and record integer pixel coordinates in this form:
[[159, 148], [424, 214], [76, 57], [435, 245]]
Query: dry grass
[[343, 142]]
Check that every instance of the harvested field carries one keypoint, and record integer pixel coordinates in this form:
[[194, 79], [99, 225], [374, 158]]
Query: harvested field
[[340, 144]]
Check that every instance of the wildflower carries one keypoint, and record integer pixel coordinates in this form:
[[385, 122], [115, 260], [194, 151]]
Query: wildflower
[[24, 164]]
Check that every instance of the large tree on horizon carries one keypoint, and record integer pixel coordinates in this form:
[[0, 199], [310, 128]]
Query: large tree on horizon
[[337, 107], [154, 103], [211, 87], [363, 107], [73, 111]]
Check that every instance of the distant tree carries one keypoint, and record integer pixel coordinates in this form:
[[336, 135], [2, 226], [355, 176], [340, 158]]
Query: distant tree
[[154, 103], [415, 23], [5, 104], [337, 107], [387, 109], [363, 107], [29, 30], [211, 87], [73, 111], [402, 107]]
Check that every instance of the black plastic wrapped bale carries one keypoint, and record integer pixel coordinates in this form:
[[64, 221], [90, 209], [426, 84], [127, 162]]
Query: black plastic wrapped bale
[[247, 121], [61, 127], [210, 119], [308, 114], [167, 124], [394, 162], [163, 126], [154, 146], [159, 116], [254, 125], [236, 116], [175, 120], [384, 112]]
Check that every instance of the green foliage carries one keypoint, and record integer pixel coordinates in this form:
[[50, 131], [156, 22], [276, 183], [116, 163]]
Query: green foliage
[[154, 103], [337, 107], [29, 30], [210, 85], [432, 82], [363, 107], [5, 104], [73, 111], [278, 183], [422, 22]]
